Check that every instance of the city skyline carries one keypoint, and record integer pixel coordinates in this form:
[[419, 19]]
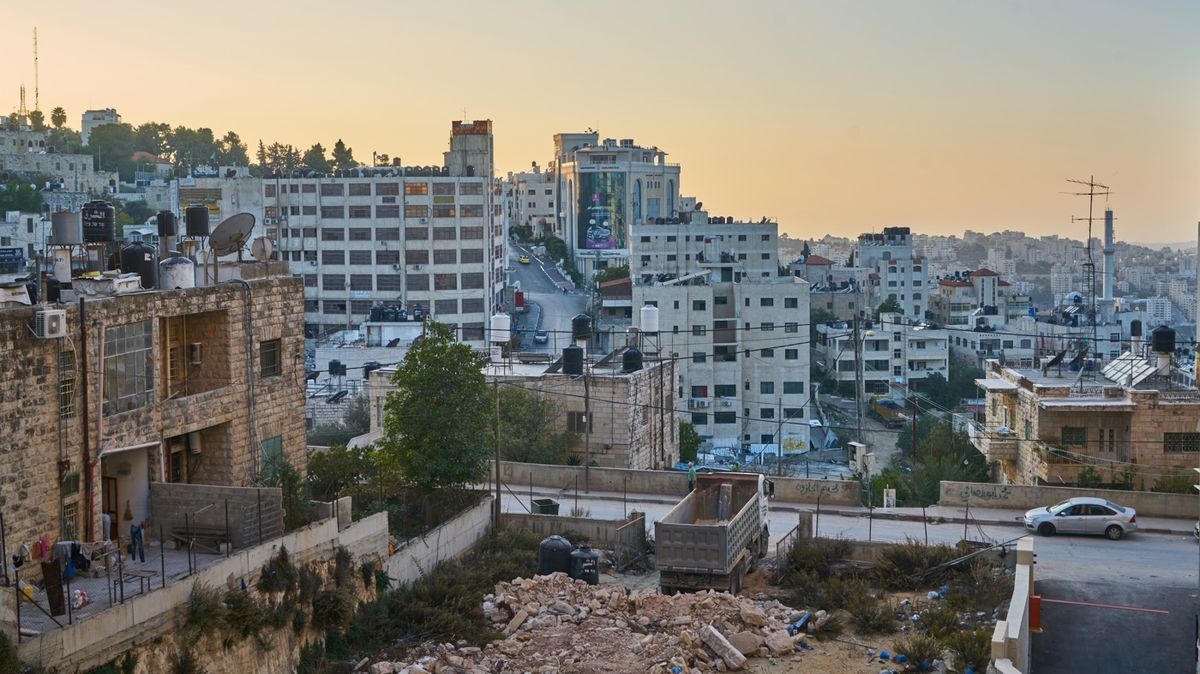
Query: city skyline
[[832, 118]]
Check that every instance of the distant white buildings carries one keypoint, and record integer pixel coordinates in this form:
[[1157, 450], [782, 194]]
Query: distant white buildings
[[896, 356], [902, 276], [532, 201], [94, 118]]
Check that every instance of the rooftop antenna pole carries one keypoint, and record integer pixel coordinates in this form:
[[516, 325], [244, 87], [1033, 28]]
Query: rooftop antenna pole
[[1090, 266], [35, 71]]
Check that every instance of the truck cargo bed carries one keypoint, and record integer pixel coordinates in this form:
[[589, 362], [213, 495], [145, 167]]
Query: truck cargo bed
[[705, 533]]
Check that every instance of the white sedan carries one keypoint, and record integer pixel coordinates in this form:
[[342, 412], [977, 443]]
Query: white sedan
[[1083, 515]]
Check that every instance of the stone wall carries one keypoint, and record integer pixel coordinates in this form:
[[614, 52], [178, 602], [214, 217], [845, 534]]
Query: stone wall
[[254, 514], [41, 445], [418, 555], [665, 482], [625, 538], [1020, 497]]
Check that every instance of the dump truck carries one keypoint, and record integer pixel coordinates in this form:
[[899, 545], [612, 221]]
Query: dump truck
[[890, 412], [715, 535]]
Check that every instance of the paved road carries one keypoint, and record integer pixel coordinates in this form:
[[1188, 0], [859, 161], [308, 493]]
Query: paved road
[[878, 438], [541, 282]]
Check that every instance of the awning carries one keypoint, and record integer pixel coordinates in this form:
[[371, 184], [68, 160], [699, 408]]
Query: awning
[[995, 384], [115, 450]]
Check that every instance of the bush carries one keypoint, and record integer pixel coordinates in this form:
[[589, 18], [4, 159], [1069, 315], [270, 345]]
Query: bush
[[8, 655], [971, 648], [920, 649], [308, 585], [245, 613], [185, 662], [343, 570], [816, 556], [278, 574], [831, 629], [206, 610], [872, 617], [333, 609], [901, 566], [982, 587], [939, 621]]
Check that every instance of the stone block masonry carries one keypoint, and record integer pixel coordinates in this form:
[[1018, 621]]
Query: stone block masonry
[[255, 514]]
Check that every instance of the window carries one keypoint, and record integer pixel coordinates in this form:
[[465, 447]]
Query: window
[[416, 189], [699, 391], [767, 326], [271, 451], [383, 211], [699, 418], [416, 257], [416, 233], [333, 257], [1180, 442], [443, 210], [698, 305], [443, 189], [725, 390], [1076, 436], [472, 305], [766, 301], [358, 256], [767, 353], [331, 189], [333, 282], [443, 307], [310, 280], [472, 281], [698, 356], [793, 413], [309, 232], [418, 281], [360, 307], [308, 188], [469, 255], [698, 330], [767, 387], [472, 233], [445, 282], [270, 358], [66, 385], [791, 354], [362, 282], [791, 303], [741, 237], [416, 211], [793, 387], [578, 422], [387, 234], [725, 417], [474, 189], [128, 367], [332, 234], [383, 256], [791, 327], [360, 189], [470, 210], [268, 190], [445, 256], [767, 413], [388, 189], [444, 234], [392, 282]]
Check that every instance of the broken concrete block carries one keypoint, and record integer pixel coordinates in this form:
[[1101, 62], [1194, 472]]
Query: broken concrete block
[[721, 646]]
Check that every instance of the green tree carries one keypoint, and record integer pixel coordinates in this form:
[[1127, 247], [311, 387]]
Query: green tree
[[529, 427], [233, 150], [1088, 477], [315, 159], [339, 471], [556, 248], [343, 157], [282, 157], [66, 141], [805, 251], [58, 117], [613, 273], [889, 306], [280, 473], [153, 137], [138, 211], [37, 120], [113, 146], [18, 196], [689, 441], [193, 147], [436, 421], [818, 316], [262, 154]]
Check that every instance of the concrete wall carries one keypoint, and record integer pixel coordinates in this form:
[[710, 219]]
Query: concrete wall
[[1151, 504], [418, 555], [1010, 639], [665, 482], [170, 502], [625, 538]]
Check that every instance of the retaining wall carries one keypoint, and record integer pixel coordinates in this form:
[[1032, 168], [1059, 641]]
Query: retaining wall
[[418, 555], [1019, 497], [249, 508], [664, 482], [1010, 639], [626, 538]]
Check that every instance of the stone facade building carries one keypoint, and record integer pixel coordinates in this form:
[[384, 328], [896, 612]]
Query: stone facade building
[[201, 385], [1045, 428]]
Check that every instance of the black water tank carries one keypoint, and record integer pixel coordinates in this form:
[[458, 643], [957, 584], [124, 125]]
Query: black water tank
[[141, 259], [337, 368], [585, 565], [99, 220], [581, 327], [376, 314], [631, 360], [196, 218], [554, 556], [1162, 340], [572, 360], [167, 224], [1135, 328]]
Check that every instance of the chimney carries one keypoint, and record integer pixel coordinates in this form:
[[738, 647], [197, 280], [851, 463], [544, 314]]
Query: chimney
[[1108, 256]]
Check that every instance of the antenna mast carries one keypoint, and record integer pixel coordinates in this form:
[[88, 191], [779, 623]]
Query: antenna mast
[[35, 71], [1089, 267]]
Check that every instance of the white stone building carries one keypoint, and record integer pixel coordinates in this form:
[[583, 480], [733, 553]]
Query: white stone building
[[896, 356], [94, 118], [902, 276]]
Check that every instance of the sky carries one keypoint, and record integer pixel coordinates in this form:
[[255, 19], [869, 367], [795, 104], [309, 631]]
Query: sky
[[833, 117]]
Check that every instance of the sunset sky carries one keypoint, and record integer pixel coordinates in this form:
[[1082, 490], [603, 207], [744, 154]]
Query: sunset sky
[[834, 117]]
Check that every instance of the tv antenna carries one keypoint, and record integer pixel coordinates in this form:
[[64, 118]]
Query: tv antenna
[[1094, 189], [35, 71]]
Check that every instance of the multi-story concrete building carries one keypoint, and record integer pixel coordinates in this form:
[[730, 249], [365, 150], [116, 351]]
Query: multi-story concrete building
[[428, 236], [896, 357], [1043, 427], [531, 200], [1159, 310], [94, 118], [201, 385], [902, 275]]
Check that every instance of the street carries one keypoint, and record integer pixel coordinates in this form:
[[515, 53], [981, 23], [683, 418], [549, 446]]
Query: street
[[542, 284], [878, 438]]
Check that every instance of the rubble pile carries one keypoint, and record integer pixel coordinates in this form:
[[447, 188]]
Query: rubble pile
[[555, 624]]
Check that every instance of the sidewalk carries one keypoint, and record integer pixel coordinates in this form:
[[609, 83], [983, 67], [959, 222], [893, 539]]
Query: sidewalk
[[953, 514]]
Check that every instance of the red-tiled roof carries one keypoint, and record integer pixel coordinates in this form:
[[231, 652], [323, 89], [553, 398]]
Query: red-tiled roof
[[1003, 283], [951, 283], [818, 260], [984, 271]]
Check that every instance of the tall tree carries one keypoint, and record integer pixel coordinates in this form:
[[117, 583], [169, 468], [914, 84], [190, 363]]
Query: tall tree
[[282, 157], [153, 137], [233, 150], [343, 157], [58, 117], [889, 306], [37, 120], [113, 146], [529, 427], [435, 425], [193, 147], [262, 154], [315, 159]]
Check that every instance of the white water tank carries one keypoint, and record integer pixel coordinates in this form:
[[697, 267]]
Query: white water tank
[[649, 318], [176, 272], [501, 329], [65, 229]]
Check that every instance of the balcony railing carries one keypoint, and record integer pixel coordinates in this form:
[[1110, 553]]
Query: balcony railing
[[993, 443]]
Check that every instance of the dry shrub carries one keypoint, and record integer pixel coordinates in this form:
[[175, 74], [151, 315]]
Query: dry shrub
[[920, 649]]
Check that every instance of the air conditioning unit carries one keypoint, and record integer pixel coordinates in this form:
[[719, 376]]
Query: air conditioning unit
[[269, 221], [726, 403], [416, 267], [50, 323], [398, 267], [424, 221]]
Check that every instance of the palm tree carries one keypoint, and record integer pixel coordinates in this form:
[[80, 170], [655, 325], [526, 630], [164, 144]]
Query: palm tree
[[58, 117]]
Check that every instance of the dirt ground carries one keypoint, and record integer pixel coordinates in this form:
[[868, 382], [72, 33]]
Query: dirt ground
[[827, 657]]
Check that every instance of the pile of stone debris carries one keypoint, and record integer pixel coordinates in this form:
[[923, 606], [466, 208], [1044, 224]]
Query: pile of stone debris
[[555, 624]]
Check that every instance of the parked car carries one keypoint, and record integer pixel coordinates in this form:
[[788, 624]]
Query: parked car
[[541, 337], [1083, 515]]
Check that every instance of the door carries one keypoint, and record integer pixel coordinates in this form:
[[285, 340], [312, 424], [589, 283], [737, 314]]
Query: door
[[111, 505], [1071, 520], [1098, 518]]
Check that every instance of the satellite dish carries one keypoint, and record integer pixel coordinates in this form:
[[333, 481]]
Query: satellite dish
[[230, 236], [261, 248]]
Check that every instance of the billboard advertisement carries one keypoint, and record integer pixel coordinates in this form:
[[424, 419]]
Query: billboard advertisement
[[601, 220]]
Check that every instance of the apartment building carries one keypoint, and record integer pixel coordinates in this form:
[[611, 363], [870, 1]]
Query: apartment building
[[96, 118], [896, 356], [1045, 426], [531, 200], [201, 385], [902, 275], [409, 237]]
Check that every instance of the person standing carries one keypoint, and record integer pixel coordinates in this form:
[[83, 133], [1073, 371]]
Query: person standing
[[691, 476]]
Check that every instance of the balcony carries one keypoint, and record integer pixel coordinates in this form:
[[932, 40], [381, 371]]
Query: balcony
[[994, 445]]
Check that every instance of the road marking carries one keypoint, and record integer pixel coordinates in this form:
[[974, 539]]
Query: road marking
[[1122, 607]]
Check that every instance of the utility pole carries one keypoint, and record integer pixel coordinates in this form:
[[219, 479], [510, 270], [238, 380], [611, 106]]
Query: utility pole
[[913, 423], [779, 439], [587, 430], [858, 376], [496, 448]]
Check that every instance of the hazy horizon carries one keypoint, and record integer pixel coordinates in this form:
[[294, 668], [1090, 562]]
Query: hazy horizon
[[833, 118]]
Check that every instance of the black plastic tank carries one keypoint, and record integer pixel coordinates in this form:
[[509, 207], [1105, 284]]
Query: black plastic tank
[[141, 259], [631, 360], [1135, 328], [585, 565], [167, 223], [554, 556], [337, 369], [53, 290], [581, 327], [196, 219], [99, 222], [1162, 340], [572, 360], [376, 314]]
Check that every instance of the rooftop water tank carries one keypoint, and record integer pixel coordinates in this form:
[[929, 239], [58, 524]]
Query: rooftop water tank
[[585, 565], [581, 327], [554, 556], [99, 222], [631, 360], [649, 318], [572, 360], [196, 219], [1135, 328], [501, 329], [65, 230], [167, 225], [176, 272], [1162, 340], [141, 259]]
